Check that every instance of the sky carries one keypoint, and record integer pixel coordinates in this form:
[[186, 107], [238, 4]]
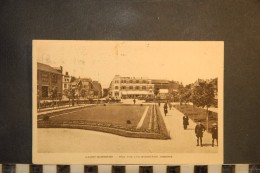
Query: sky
[[183, 61]]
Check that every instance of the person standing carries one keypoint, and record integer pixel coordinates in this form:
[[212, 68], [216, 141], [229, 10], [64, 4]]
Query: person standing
[[214, 132], [165, 107], [199, 130], [185, 121], [134, 101]]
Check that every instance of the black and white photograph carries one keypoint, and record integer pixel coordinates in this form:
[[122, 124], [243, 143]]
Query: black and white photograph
[[127, 102]]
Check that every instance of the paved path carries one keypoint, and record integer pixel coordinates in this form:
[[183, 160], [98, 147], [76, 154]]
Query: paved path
[[185, 139], [74, 140], [139, 125]]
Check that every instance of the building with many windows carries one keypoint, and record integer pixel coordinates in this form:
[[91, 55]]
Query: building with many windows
[[130, 87], [48, 79]]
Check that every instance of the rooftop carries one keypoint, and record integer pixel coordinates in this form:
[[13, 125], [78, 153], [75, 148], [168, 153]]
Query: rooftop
[[159, 81], [47, 68]]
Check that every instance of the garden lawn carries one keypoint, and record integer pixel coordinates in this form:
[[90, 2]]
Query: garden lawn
[[114, 114]]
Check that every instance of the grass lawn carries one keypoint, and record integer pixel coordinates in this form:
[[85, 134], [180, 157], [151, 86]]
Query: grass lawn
[[110, 119], [116, 114]]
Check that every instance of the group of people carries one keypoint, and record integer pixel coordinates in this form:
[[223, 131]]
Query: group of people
[[200, 129], [165, 107]]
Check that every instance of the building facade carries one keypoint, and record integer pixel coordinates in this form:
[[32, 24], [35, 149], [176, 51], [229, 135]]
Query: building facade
[[48, 79], [92, 89], [66, 81], [130, 87], [159, 84]]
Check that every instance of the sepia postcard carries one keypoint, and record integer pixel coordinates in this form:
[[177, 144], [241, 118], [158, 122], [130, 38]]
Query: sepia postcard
[[127, 102]]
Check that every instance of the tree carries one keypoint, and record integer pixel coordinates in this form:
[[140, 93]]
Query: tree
[[156, 91], [83, 93], [203, 96], [70, 94], [184, 93], [174, 96], [53, 94]]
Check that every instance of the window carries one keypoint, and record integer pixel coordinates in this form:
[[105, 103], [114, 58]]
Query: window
[[130, 87], [123, 87], [137, 81], [130, 81], [116, 87], [45, 77], [65, 86], [144, 87], [45, 91], [137, 87], [54, 78]]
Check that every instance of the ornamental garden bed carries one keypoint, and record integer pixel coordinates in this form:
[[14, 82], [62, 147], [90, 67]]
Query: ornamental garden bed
[[116, 119]]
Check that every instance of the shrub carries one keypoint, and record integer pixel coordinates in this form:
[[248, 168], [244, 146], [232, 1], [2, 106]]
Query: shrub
[[46, 118]]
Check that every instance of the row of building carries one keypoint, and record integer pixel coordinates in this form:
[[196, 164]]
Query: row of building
[[120, 87], [52, 78], [133, 87]]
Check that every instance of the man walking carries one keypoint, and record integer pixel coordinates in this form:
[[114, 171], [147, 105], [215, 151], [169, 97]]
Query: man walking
[[214, 132], [185, 121], [165, 107], [199, 129], [134, 101]]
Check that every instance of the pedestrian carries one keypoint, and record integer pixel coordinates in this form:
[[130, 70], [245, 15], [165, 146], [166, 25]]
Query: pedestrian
[[159, 103], [165, 107], [185, 121], [199, 129], [134, 101], [214, 132]]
